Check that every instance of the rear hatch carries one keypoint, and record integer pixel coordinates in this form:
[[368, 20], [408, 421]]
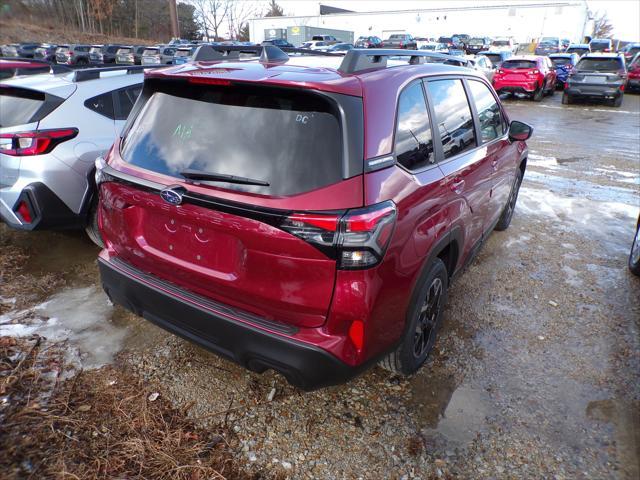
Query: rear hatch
[[605, 72], [124, 55], [63, 54], [519, 70], [260, 244], [151, 56]]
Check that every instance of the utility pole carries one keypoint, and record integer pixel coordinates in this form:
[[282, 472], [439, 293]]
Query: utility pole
[[173, 13]]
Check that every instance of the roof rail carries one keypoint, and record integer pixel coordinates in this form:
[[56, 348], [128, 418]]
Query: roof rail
[[258, 50], [94, 73], [361, 59]]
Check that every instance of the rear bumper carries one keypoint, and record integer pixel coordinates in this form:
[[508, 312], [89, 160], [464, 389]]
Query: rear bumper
[[193, 318], [594, 91], [515, 87]]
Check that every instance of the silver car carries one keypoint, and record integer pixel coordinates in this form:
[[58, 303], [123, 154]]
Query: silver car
[[62, 123], [162, 55]]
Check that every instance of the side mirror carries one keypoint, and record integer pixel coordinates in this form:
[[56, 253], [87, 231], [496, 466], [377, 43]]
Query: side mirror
[[519, 131]]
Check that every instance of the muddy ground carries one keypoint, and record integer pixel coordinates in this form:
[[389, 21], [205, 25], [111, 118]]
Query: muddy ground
[[536, 373]]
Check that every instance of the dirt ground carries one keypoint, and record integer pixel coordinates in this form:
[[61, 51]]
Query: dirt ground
[[536, 373]]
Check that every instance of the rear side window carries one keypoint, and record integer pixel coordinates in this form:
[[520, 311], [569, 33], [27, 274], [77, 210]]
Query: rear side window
[[290, 139], [102, 104], [489, 114], [126, 99], [414, 143], [515, 64], [19, 106], [453, 116]]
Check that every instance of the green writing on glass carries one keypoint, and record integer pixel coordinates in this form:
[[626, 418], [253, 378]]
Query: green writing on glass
[[183, 132]]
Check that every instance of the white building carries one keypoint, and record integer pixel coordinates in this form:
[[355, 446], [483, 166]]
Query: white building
[[525, 21]]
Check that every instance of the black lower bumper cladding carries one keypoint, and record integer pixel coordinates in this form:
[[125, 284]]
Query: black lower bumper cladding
[[303, 365]]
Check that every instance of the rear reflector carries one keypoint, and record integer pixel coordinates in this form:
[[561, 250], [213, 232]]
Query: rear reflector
[[24, 212], [356, 334], [38, 142]]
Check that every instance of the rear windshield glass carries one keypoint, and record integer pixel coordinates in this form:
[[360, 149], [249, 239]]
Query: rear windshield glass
[[476, 41], [557, 61], [494, 58], [549, 41], [599, 65], [19, 106], [63, 49], [95, 50], [500, 43], [291, 140], [577, 50], [183, 53], [600, 44], [514, 64], [124, 50], [150, 51]]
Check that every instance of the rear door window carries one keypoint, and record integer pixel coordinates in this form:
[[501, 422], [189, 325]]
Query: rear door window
[[414, 143], [290, 139], [492, 124], [453, 116]]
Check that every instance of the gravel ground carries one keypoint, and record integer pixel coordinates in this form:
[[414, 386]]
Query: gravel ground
[[536, 373]]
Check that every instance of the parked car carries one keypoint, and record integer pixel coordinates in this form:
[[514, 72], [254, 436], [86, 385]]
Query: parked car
[[630, 50], [14, 67], [73, 54], [277, 42], [46, 52], [95, 54], [528, 74], [563, 63], [27, 49], [496, 56], [434, 47], [109, 53], [548, 45], [604, 45], [323, 249], [400, 40], [478, 44], [329, 39], [184, 54], [564, 44], [130, 55], [9, 50], [579, 48], [633, 74], [52, 129], [634, 255], [483, 65], [597, 76], [460, 41], [339, 48], [504, 43], [368, 42], [158, 55], [315, 45], [448, 41]]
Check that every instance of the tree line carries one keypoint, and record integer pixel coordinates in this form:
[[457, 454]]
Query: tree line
[[144, 19]]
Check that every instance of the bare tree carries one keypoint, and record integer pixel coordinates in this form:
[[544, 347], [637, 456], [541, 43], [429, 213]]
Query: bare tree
[[238, 14], [601, 26], [275, 10], [211, 14]]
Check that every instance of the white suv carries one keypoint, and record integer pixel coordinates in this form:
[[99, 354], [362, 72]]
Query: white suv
[[52, 129]]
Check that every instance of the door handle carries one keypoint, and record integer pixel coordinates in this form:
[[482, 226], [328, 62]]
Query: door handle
[[494, 164], [457, 185]]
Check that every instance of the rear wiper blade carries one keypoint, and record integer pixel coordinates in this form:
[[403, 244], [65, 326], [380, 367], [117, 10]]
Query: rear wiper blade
[[221, 177]]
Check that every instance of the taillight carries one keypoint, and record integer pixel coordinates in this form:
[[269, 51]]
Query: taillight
[[356, 239], [24, 211], [534, 72], [23, 144], [500, 71]]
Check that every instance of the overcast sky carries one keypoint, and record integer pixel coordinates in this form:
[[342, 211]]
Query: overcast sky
[[623, 14]]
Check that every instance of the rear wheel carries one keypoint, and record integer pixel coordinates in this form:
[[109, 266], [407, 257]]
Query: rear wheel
[[634, 256], [92, 226], [424, 320], [618, 101], [507, 212], [537, 95], [566, 99]]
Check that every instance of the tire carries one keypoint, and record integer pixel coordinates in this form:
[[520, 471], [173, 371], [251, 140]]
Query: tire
[[82, 61], [507, 212], [618, 101], [537, 95], [552, 90], [566, 99], [93, 232], [634, 255], [424, 320]]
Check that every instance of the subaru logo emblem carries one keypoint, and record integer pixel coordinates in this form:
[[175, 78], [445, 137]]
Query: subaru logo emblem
[[172, 195]]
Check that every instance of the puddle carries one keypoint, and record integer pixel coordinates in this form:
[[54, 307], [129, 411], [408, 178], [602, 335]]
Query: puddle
[[81, 316], [457, 413]]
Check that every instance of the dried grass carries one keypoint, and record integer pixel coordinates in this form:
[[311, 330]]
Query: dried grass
[[96, 425]]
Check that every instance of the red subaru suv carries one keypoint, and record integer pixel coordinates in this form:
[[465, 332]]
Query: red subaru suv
[[532, 75], [306, 214]]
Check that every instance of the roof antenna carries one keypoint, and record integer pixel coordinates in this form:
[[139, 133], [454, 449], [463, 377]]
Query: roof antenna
[[272, 54]]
